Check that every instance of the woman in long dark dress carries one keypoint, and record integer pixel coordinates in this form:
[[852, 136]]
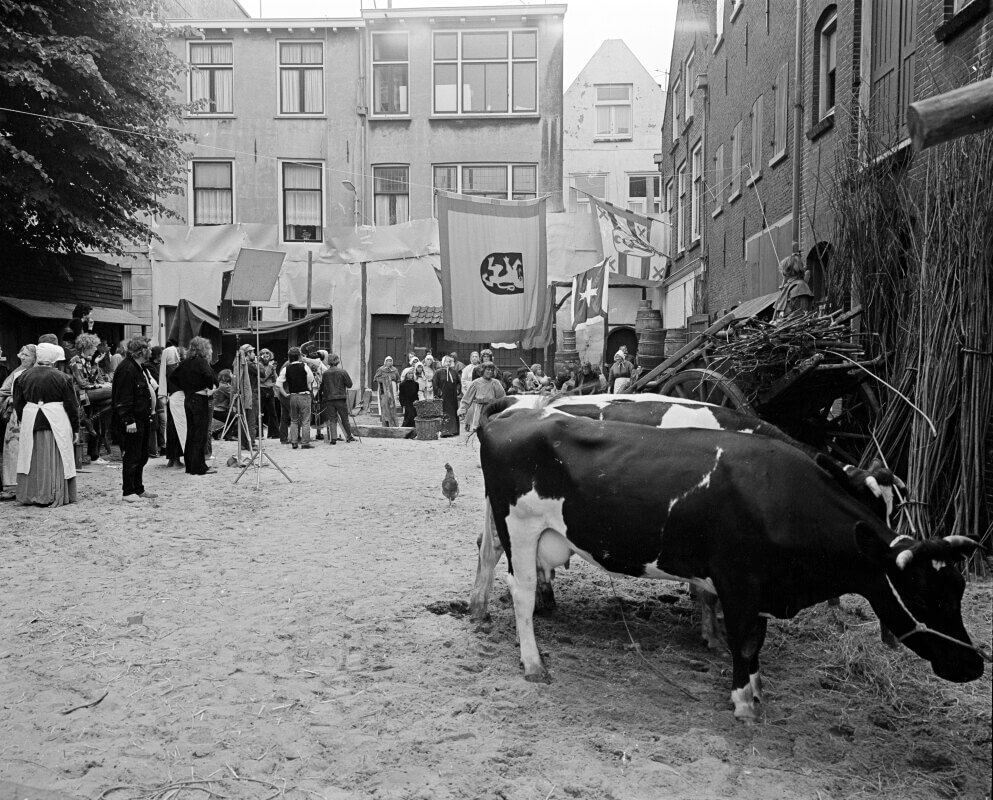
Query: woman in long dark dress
[[196, 379], [447, 386], [46, 404], [409, 393]]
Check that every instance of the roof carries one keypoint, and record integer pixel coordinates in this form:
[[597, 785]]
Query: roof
[[50, 309], [749, 308], [270, 327], [466, 11], [426, 317]]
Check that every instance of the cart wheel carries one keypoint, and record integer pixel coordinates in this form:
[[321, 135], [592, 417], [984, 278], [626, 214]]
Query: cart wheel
[[707, 386]]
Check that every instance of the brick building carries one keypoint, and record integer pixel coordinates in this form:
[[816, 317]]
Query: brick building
[[746, 173]]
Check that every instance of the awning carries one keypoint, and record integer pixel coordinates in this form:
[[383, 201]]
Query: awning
[[426, 317], [749, 308], [51, 309], [192, 320], [270, 327]]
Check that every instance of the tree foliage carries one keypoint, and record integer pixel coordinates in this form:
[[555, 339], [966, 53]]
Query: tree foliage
[[88, 133]]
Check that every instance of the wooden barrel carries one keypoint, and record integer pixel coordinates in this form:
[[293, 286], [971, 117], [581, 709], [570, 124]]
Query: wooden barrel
[[651, 347], [647, 318], [566, 359], [427, 429], [674, 339], [568, 340]]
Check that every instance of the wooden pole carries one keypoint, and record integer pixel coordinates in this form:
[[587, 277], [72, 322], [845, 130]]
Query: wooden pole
[[968, 109], [363, 324], [310, 278]]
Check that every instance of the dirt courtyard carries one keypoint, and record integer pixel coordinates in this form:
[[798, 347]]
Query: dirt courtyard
[[310, 640]]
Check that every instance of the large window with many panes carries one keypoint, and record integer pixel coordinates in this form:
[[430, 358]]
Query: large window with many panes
[[213, 193], [500, 181], [614, 113], [485, 72], [391, 194], [643, 193]]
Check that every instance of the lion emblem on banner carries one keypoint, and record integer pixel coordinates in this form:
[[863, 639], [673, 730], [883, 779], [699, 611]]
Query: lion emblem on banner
[[503, 273]]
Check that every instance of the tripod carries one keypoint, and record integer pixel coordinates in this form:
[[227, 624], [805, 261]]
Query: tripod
[[259, 456]]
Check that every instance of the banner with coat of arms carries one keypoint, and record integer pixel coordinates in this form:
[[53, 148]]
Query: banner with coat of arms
[[625, 239], [494, 284]]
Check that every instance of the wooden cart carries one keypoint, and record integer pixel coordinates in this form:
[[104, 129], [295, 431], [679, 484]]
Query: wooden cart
[[821, 392]]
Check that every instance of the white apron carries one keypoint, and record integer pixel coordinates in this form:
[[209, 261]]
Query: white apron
[[56, 415], [177, 405]]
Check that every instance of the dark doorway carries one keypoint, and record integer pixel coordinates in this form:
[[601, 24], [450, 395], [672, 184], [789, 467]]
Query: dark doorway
[[617, 337], [388, 339]]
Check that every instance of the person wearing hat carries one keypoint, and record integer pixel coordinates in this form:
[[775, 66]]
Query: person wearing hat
[[485, 389], [8, 421], [133, 398], [46, 404], [247, 386]]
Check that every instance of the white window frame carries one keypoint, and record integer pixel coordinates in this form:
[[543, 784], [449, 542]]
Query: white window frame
[[612, 105], [719, 23], [192, 191], [736, 8], [668, 201], [688, 82], [515, 191], [460, 62], [676, 94], [652, 194], [376, 194], [780, 134], [212, 68], [280, 67], [755, 157], [696, 193], [958, 5], [827, 34], [680, 207], [580, 202], [718, 195], [734, 179], [405, 101], [281, 195]]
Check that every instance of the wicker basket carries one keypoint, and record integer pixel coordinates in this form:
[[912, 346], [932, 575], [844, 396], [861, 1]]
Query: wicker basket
[[428, 409], [427, 429]]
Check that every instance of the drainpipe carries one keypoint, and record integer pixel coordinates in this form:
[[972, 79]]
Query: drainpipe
[[797, 123]]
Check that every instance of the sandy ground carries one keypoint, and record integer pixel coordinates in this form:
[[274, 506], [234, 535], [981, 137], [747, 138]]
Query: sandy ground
[[310, 640]]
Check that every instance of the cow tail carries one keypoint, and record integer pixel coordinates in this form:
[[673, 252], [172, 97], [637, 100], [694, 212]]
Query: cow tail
[[495, 407]]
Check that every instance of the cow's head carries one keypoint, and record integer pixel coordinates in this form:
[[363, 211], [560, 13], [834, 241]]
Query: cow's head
[[927, 589]]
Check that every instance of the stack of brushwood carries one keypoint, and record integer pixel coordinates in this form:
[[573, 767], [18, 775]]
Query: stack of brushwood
[[772, 360]]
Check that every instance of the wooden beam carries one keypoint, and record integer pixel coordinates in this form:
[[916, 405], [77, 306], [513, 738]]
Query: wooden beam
[[947, 116]]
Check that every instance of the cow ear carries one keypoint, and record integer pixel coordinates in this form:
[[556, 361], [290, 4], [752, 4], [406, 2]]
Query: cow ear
[[959, 547], [872, 544]]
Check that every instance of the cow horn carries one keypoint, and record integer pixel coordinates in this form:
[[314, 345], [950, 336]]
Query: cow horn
[[874, 487], [904, 558], [960, 541]]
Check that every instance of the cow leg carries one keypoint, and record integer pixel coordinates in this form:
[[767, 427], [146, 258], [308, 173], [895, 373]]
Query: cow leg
[[523, 581], [746, 634], [490, 551], [544, 600]]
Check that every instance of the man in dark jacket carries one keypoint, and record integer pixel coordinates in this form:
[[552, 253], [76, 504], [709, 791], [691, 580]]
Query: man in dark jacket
[[132, 396], [335, 384]]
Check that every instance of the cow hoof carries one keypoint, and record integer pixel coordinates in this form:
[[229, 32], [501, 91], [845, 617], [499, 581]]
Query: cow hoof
[[538, 677], [479, 617]]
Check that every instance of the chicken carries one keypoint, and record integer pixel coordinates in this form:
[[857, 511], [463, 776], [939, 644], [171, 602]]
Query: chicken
[[450, 486]]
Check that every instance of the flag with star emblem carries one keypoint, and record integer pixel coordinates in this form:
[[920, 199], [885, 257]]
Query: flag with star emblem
[[589, 294], [625, 238]]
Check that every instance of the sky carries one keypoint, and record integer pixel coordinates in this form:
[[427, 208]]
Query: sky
[[646, 26]]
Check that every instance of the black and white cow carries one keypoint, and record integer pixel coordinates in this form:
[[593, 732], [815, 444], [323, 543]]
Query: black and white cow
[[772, 530], [874, 486]]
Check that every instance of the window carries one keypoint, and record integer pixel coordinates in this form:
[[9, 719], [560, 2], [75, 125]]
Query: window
[[613, 111], [781, 123], [826, 64], [755, 166], [677, 116], [643, 193], [680, 208], [255, 313], [389, 73], [303, 201], [688, 82], [211, 77], [668, 218], [958, 5], [486, 72], [301, 78], [696, 206], [736, 8], [391, 195], [718, 195], [595, 185], [318, 332], [213, 195], [501, 181], [734, 180]]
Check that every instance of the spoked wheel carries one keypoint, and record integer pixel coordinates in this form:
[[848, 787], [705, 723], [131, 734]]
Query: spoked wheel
[[707, 386]]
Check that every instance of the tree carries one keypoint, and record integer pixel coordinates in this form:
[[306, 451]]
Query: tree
[[87, 109]]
